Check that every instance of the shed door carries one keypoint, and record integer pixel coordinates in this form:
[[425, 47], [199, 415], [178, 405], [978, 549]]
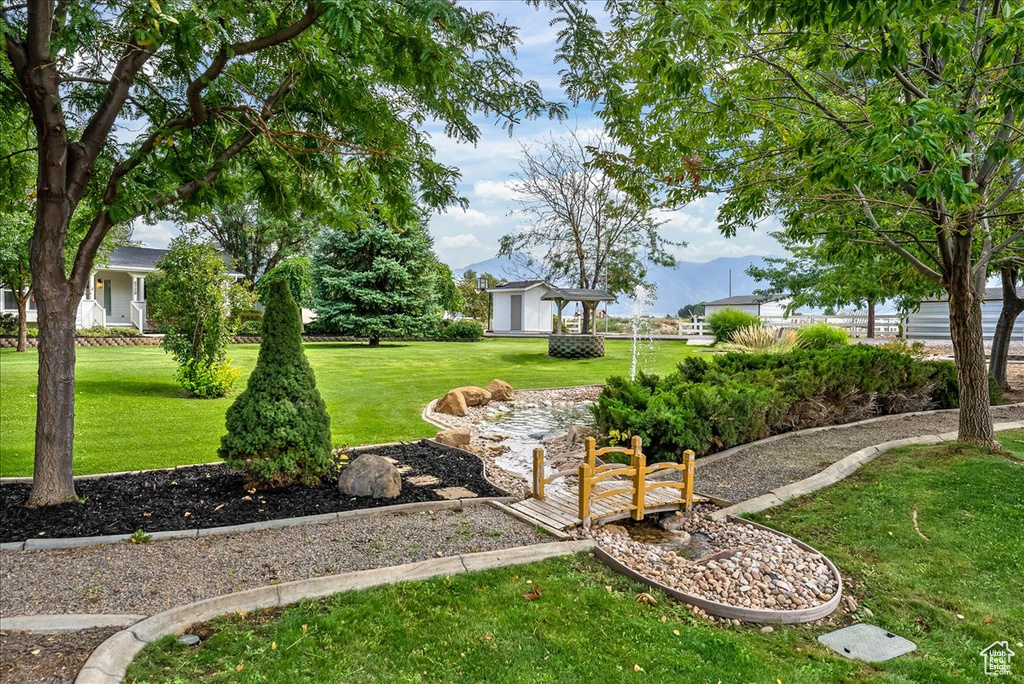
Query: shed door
[[517, 313]]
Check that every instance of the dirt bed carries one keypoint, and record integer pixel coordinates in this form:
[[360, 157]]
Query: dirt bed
[[214, 496], [47, 658], [148, 578], [761, 468]]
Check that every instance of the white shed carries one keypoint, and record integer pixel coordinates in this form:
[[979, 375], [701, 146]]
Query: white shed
[[755, 305], [518, 307], [931, 320]]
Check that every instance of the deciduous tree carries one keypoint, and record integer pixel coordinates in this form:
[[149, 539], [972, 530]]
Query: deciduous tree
[[908, 111], [140, 105]]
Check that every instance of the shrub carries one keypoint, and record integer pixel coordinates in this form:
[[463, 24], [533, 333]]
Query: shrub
[[100, 331], [250, 328], [278, 430], [727, 321], [8, 324], [713, 404], [758, 338], [820, 336], [207, 380], [461, 331]]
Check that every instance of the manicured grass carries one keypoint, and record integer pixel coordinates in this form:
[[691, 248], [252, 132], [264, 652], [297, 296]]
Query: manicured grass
[[480, 627], [130, 414]]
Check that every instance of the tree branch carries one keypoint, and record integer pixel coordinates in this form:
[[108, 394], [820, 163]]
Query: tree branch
[[921, 267]]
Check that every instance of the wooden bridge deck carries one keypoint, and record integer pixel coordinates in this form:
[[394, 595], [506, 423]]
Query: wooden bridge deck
[[559, 509]]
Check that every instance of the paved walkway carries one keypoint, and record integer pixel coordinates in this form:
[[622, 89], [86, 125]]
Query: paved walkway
[[760, 468]]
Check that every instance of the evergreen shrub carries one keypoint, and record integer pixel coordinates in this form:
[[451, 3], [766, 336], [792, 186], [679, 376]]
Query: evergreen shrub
[[278, 430]]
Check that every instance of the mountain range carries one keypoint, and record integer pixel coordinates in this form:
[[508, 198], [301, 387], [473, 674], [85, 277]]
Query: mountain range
[[688, 283]]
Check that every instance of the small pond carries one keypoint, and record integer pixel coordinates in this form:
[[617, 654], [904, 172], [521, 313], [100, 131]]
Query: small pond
[[526, 425]]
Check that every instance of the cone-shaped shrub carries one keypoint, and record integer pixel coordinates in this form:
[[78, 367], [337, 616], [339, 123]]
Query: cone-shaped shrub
[[278, 428]]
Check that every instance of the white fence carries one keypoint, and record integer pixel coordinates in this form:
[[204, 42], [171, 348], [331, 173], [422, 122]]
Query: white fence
[[856, 325]]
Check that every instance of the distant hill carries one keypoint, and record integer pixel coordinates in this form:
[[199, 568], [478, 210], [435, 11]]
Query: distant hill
[[688, 283]]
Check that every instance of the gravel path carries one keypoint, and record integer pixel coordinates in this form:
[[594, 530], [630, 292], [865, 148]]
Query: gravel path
[[146, 579], [762, 468], [47, 658]]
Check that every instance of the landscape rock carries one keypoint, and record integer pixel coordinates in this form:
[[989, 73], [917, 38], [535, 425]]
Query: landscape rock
[[452, 403], [456, 437], [500, 390], [673, 523], [370, 475], [474, 396], [578, 434]]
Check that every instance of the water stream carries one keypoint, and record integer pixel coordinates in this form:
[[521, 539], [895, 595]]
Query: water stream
[[526, 425]]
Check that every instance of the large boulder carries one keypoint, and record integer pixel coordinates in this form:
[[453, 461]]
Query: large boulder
[[500, 391], [578, 434], [474, 396], [453, 403], [370, 475], [456, 437]]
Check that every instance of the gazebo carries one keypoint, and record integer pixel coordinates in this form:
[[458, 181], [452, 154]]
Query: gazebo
[[586, 344]]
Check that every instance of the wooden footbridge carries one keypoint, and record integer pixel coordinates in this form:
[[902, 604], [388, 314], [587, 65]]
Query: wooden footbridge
[[606, 491]]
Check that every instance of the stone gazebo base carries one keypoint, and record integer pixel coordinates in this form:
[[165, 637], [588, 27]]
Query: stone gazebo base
[[576, 346]]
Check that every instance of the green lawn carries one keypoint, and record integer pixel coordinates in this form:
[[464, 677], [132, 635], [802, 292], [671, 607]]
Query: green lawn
[[479, 627], [130, 414]]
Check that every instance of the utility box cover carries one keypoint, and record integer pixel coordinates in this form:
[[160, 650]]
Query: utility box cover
[[867, 642]]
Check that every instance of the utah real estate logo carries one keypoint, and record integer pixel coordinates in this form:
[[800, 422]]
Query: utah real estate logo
[[997, 658]]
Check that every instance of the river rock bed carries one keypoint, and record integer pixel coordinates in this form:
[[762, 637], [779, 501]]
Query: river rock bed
[[752, 568]]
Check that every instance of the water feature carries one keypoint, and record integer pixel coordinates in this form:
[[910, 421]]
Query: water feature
[[526, 425], [640, 325], [692, 546]]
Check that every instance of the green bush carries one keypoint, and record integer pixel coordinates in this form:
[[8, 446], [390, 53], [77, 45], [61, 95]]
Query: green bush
[[461, 331], [100, 331], [8, 324], [727, 321], [820, 336], [207, 380], [250, 328], [712, 404], [278, 430]]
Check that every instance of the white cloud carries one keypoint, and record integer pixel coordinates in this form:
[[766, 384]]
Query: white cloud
[[490, 189], [460, 241], [472, 218]]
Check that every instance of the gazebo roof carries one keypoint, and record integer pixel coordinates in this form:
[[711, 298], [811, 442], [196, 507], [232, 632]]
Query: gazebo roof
[[578, 295]]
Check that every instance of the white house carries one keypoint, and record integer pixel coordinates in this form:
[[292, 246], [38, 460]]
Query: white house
[[518, 307], [931, 320], [755, 305], [116, 293]]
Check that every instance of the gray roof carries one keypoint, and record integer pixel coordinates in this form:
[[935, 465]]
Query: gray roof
[[743, 300], [132, 258], [517, 285], [579, 295], [992, 294]]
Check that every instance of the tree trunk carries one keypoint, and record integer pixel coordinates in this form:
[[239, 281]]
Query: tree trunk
[[1012, 307], [53, 476], [585, 327], [22, 320], [871, 319], [374, 341], [969, 349]]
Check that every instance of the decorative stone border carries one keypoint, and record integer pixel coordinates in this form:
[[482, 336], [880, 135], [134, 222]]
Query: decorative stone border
[[136, 341], [109, 662], [36, 544], [756, 615], [838, 471], [576, 346]]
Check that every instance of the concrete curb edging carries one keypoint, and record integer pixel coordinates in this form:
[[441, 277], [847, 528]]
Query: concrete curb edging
[[109, 662], [755, 615], [71, 622], [838, 471], [358, 513]]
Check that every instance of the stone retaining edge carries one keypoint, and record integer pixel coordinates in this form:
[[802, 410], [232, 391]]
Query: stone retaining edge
[[109, 662], [725, 610], [71, 622], [839, 470], [359, 513]]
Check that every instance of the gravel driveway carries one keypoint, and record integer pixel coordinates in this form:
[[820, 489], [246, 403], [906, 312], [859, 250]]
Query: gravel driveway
[[760, 469], [148, 578]]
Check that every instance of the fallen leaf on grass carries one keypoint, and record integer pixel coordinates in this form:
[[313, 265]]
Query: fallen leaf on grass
[[644, 597], [637, 668], [488, 637], [608, 588], [273, 645], [676, 632], [241, 666], [533, 594]]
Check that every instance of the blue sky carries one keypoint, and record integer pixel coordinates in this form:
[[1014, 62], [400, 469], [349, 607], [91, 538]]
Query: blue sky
[[464, 237]]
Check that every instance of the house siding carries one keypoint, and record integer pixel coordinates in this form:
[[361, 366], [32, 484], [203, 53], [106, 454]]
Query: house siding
[[536, 312], [931, 321]]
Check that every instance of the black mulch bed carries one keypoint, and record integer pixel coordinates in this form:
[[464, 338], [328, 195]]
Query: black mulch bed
[[213, 496]]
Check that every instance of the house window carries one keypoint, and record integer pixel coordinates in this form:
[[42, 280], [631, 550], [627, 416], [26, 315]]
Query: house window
[[11, 304]]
